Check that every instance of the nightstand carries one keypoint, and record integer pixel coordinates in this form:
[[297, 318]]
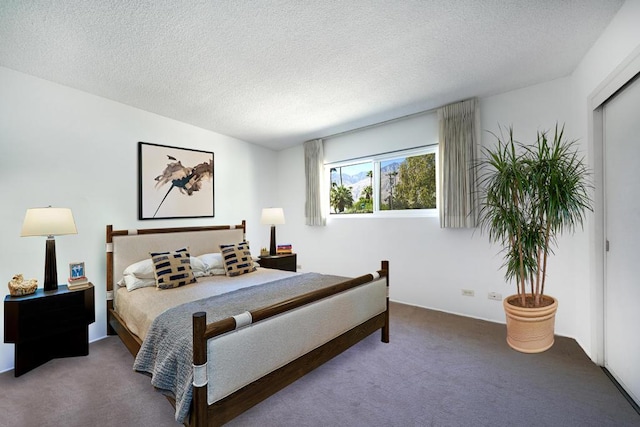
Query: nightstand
[[286, 262], [48, 325]]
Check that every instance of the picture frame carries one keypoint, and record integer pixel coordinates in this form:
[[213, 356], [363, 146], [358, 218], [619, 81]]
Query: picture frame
[[76, 271], [174, 182]]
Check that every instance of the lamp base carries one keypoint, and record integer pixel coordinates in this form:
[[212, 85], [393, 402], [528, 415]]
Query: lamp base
[[272, 248], [50, 272]]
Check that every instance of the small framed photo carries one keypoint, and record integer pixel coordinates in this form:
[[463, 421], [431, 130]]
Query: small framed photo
[[76, 271]]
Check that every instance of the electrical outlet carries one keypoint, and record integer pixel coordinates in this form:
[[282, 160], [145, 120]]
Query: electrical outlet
[[299, 267], [495, 296], [468, 292]]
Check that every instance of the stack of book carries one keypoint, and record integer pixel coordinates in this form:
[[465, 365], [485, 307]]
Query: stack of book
[[77, 283], [284, 250]]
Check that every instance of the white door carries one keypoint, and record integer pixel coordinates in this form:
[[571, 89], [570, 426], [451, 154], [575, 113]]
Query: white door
[[622, 228]]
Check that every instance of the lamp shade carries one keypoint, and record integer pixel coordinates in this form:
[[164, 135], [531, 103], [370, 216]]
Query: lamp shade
[[273, 216], [48, 222]]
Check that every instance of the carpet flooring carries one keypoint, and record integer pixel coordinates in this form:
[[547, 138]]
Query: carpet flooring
[[438, 370]]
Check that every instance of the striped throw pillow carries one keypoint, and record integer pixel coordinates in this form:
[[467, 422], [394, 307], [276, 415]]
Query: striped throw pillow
[[172, 269], [237, 259]]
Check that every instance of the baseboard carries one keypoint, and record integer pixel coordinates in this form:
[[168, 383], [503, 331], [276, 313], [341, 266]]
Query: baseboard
[[98, 339], [632, 402], [455, 313]]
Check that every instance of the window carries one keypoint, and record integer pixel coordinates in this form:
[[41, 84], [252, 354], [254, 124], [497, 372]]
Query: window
[[402, 181], [351, 188]]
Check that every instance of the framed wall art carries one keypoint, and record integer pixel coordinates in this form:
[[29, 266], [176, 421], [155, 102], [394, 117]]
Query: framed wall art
[[174, 182]]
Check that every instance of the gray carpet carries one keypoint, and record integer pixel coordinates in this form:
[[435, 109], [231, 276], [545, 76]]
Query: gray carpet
[[438, 370]]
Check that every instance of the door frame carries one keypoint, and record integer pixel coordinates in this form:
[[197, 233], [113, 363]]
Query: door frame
[[615, 81]]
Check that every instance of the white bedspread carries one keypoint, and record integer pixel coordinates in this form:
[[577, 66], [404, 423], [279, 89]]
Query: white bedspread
[[138, 308]]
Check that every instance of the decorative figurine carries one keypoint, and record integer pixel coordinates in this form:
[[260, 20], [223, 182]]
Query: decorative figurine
[[18, 286]]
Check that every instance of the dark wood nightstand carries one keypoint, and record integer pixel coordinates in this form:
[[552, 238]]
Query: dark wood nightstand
[[47, 325], [286, 262]]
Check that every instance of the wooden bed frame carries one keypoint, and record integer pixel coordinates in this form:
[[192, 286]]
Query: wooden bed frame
[[224, 410]]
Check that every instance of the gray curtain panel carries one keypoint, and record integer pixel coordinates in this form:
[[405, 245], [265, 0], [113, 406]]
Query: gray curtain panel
[[458, 125], [314, 168]]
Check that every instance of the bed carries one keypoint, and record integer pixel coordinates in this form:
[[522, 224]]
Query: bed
[[238, 339]]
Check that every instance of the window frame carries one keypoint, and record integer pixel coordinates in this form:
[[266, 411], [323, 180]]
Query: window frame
[[376, 161]]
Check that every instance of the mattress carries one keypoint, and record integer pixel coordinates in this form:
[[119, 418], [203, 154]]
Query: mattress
[[138, 308]]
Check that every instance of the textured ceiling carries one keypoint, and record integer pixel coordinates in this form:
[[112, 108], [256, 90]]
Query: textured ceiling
[[279, 72]]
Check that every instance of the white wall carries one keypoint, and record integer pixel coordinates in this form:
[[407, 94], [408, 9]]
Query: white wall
[[406, 133], [66, 148], [429, 265]]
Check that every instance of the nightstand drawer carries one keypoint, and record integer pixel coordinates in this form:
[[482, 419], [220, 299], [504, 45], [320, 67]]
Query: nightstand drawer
[[286, 262]]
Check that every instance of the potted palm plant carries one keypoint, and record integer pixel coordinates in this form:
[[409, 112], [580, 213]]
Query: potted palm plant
[[530, 195]]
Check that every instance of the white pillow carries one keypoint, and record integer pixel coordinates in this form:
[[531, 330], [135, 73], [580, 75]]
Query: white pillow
[[216, 272], [141, 269], [197, 265], [132, 282], [144, 269], [141, 274], [213, 260], [201, 273], [214, 264]]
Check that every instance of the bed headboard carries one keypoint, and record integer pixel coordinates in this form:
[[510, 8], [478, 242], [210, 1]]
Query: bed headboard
[[124, 247]]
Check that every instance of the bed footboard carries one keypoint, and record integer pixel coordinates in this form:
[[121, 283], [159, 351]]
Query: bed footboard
[[226, 408]]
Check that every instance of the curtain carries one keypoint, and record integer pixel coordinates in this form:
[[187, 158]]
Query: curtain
[[458, 124], [313, 168]]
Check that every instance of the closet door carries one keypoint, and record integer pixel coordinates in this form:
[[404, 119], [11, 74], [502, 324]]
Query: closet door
[[622, 228]]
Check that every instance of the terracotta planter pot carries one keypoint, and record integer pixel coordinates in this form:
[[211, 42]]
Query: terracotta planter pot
[[530, 330]]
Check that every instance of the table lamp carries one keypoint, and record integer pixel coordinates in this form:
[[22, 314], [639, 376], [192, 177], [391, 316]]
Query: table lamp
[[272, 216], [49, 222]]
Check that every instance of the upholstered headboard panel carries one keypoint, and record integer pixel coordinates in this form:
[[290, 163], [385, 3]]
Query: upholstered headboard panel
[[124, 247]]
